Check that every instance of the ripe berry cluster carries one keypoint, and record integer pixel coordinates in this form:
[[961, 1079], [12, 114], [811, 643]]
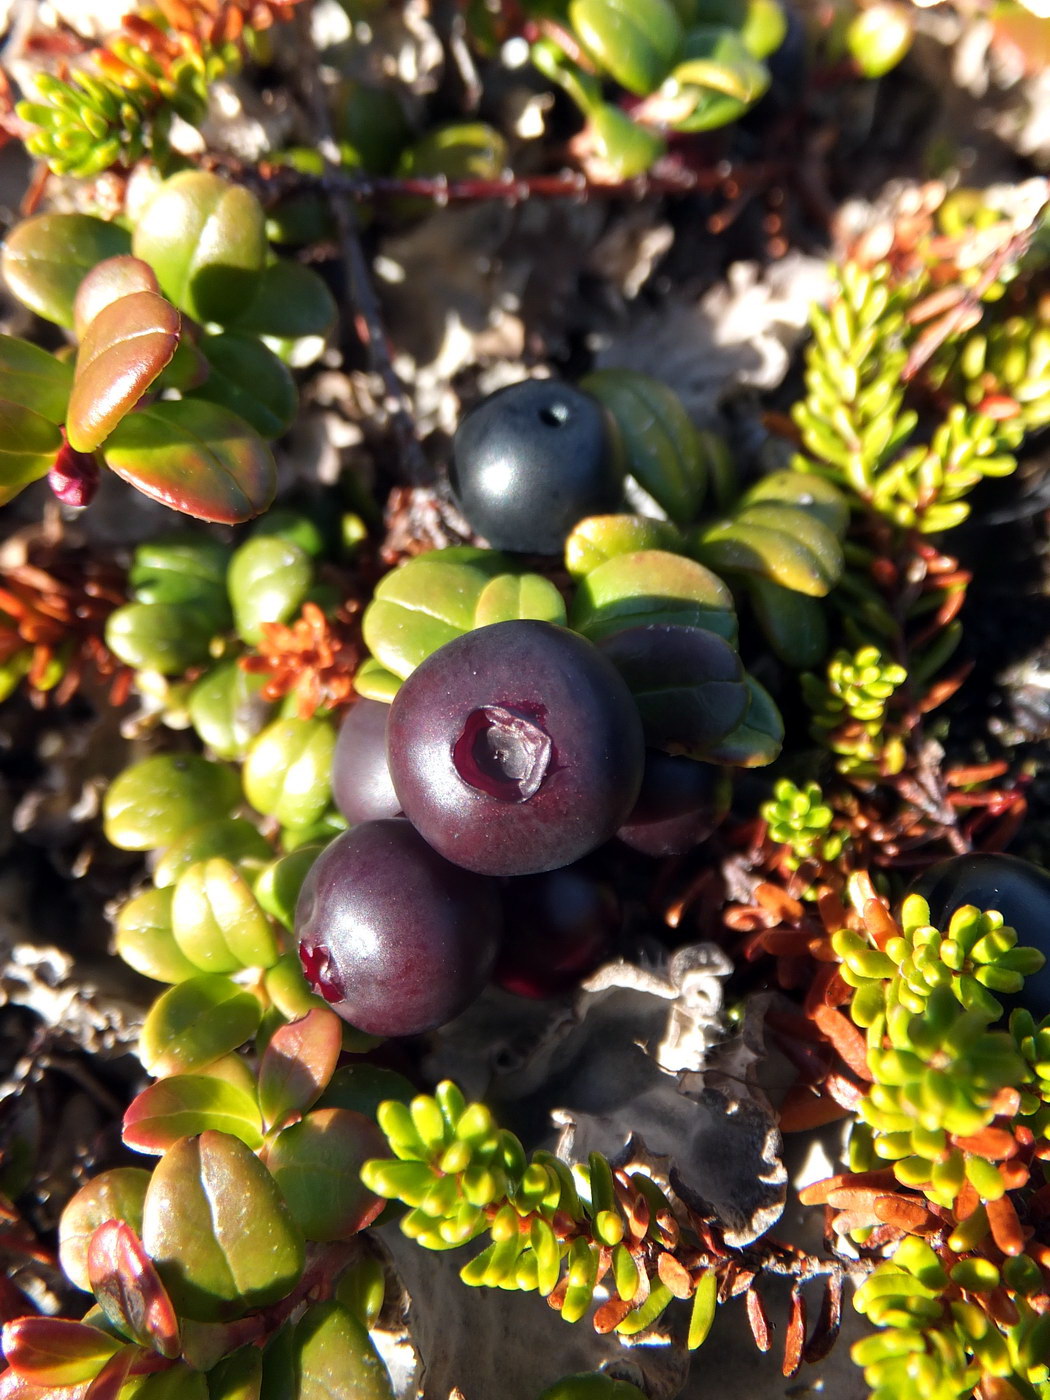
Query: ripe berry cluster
[[507, 756]]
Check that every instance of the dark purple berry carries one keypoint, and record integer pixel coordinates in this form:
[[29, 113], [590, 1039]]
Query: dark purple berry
[[396, 938], [558, 926], [361, 782], [680, 804], [1016, 888], [533, 459], [515, 748]]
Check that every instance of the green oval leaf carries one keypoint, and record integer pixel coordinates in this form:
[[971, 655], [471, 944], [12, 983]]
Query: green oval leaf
[[186, 1104], [124, 349], [758, 739], [195, 1023], [145, 941], [154, 802], [508, 597], [237, 1377], [277, 888], [688, 685], [28, 444], [206, 241], [195, 457], [663, 449], [233, 837], [649, 586], [317, 1164], [216, 920], [107, 282], [373, 681], [226, 708], [335, 1358], [35, 379], [116, 1194], [813, 494], [249, 380], [165, 637], [602, 537], [794, 624], [634, 41], [287, 773], [185, 567], [269, 579], [878, 37], [786, 545], [291, 303], [46, 257], [218, 1231]]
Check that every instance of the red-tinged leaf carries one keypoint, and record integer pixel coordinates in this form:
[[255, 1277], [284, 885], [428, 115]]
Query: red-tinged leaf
[[187, 1104], [993, 1143], [129, 1290], [803, 1109], [674, 1276], [28, 444], [846, 1039], [819, 1193], [15, 1387], [1005, 1226], [609, 1316], [317, 1164], [758, 1320], [826, 1332], [55, 1351], [297, 1065], [195, 457], [904, 1214], [109, 281], [795, 1335], [109, 1382], [124, 349]]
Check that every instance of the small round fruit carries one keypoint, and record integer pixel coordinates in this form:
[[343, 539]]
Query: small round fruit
[[1016, 888], [680, 804], [558, 926], [394, 937], [515, 748], [533, 459], [361, 782]]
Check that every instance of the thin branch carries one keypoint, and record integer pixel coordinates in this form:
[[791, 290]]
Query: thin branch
[[367, 317]]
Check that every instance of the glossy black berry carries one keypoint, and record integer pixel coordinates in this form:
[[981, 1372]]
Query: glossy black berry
[[680, 804], [361, 782], [533, 459], [394, 937], [557, 927], [1019, 890], [515, 748]]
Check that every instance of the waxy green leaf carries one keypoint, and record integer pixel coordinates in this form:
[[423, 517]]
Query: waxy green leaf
[[154, 802], [227, 709], [795, 624], [277, 888], [28, 446], [335, 1358], [33, 378], [601, 537], [195, 457], [268, 581], [129, 1290], [650, 586], [196, 1022], [45, 258], [184, 568], [291, 303], [634, 41], [235, 838], [758, 739], [251, 381], [186, 1104], [663, 449], [123, 350], [238, 1376], [145, 941], [317, 1165], [216, 920], [218, 1230], [116, 1194], [688, 684], [287, 772], [783, 543], [167, 638], [206, 241]]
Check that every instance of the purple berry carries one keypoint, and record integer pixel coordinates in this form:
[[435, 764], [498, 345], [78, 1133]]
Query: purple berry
[[396, 938], [361, 782], [559, 925], [515, 748], [680, 804]]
